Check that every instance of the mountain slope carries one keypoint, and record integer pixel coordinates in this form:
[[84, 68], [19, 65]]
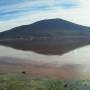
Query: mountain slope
[[53, 36]]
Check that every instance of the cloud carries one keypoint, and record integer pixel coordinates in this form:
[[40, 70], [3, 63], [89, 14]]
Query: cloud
[[65, 4], [33, 5], [29, 11], [22, 8]]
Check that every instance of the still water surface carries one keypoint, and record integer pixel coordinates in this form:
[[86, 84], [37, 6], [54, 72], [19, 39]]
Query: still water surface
[[78, 59]]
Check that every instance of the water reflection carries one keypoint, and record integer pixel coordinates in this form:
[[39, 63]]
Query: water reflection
[[75, 64]]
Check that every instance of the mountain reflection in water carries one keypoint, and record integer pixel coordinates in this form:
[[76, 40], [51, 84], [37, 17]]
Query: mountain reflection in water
[[72, 65]]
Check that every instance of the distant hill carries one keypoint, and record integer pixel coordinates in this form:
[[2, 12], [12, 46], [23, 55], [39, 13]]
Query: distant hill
[[53, 36]]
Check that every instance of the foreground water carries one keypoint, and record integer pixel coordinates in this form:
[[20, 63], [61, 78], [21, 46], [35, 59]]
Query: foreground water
[[76, 61]]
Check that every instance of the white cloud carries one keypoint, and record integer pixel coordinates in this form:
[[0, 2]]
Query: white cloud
[[79, 14]]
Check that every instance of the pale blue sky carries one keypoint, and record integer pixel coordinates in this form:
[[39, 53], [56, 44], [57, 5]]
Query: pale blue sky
[[9, 11], [18, 12]]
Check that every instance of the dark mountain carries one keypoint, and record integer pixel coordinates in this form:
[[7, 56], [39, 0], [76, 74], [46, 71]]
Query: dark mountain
[[53, 36]]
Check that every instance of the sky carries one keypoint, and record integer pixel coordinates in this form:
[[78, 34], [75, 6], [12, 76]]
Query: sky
[[15, 13]]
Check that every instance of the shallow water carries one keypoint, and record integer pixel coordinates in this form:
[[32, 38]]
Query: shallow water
[[78, 59]]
